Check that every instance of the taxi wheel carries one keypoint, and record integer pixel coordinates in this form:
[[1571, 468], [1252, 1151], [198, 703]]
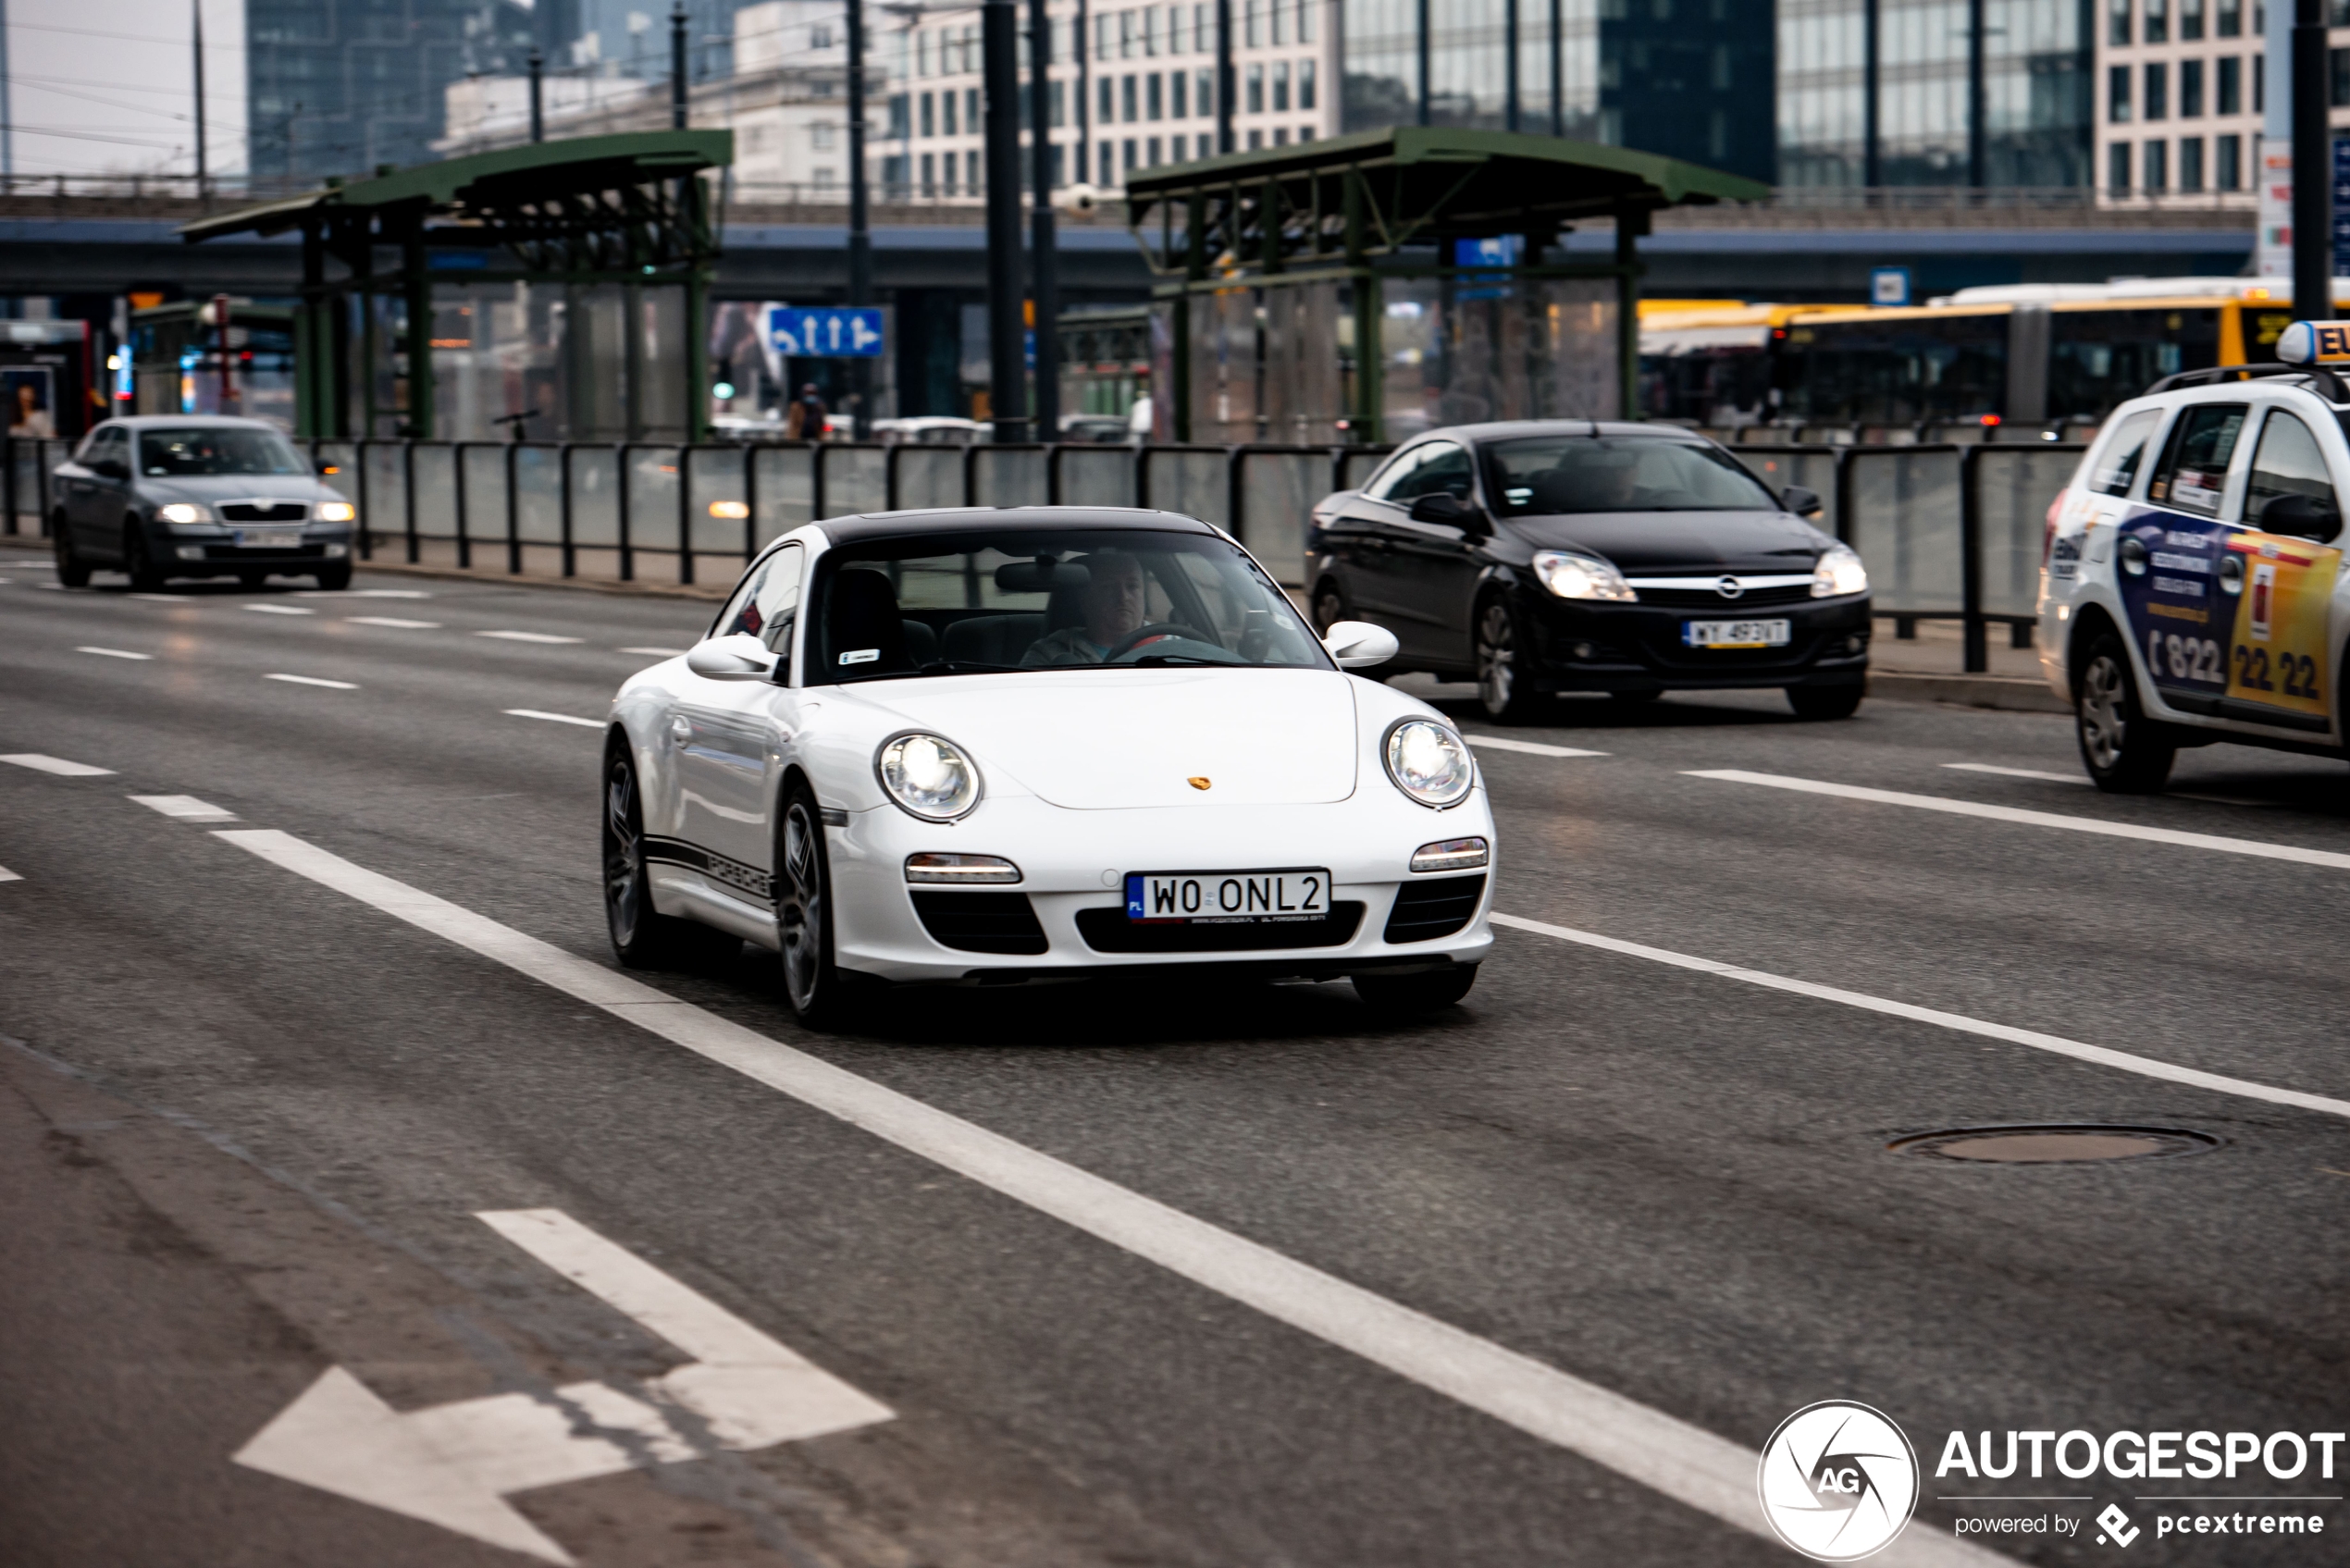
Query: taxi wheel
[[2125, 752], [1421, 993], [72, 571], [1504, 688], [642, 937], [817, 990]]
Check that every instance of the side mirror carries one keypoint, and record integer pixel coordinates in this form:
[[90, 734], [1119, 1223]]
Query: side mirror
[[2305, 517], [1442, 507], [1358, 645], [737, 658], [1800, 501]]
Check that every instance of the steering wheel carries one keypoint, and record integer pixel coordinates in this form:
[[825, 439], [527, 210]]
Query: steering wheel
[[1152, 633]]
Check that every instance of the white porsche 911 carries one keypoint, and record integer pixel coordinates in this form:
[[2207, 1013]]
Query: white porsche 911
[[995, 746]]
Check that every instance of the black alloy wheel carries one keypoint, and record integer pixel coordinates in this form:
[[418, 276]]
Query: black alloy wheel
[[815, 987], [1825, 702], [642, 937], [136, 560], [1329, 607], [1503, 687], [1421, 993], [72, 571], [2125, 752], [252, 580]]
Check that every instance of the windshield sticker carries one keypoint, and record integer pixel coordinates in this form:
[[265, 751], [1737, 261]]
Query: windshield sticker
[[860, 656]]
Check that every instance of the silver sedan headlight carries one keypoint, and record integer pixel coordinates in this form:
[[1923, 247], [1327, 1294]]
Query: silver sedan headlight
[[184, 512], [1429, 763], [928, 776], [1572, 575], [1839, 570]]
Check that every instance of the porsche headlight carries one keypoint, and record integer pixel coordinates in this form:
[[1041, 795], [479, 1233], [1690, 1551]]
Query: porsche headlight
[[1429, 763], [1839, 570], [1571, 575], [928, 777], [335, 511], [183, 512]]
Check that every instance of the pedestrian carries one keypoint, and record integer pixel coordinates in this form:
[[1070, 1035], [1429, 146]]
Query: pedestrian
[[812, 412]]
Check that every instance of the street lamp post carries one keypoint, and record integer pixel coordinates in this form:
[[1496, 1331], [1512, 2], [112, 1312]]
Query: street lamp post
[[1044, 258], [860, 239], [999, 63]]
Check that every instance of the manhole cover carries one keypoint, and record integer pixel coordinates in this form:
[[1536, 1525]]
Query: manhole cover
[[2058, 1143]]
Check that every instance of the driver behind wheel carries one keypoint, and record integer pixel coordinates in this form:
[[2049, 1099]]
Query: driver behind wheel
[[1112, 605]]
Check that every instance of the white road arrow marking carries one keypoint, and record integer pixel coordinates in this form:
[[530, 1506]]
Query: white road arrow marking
[[452, 1464]]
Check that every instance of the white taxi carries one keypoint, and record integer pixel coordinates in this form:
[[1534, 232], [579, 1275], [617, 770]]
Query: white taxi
[[2192, 589]]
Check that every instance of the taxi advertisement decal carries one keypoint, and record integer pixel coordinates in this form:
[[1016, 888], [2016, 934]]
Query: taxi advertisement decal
[[2171, 586], [2281, 588]]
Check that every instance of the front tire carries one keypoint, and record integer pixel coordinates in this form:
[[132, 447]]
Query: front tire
[[642, 937], [146, 576], [812, 982], [1329, 607], [335, 579], [72, 571], [1505, 684], [1422, 993], [1825, 702], [2125, 752]]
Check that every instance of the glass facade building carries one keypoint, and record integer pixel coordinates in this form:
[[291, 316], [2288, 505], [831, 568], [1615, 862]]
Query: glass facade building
[[2008, 104]]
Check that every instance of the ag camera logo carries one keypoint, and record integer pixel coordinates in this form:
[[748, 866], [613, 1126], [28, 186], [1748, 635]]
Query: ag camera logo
[[1839, 1481]]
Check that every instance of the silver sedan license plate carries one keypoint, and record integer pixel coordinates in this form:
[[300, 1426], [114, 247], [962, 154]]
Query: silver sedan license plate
[[1737, 634], [270, 539], [1228, 897]]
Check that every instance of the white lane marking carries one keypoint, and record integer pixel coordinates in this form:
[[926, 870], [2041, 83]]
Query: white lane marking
[[58, 765], [1532, 748], [59, 588], [552, 718], [656, 652], [115, 653], [7, 875], [314, 681], [1685, 1463], [2251, 847], [2017, 773], [450, 1465], [2145, 1066], [280, 610], [162, 598], [185, 808], [527, 636], [394, 621], [363, 593]]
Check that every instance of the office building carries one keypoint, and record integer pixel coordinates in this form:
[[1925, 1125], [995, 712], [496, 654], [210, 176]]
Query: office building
[[2181, 88]]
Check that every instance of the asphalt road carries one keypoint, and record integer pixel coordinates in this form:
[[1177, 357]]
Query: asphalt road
[[248, 1121]]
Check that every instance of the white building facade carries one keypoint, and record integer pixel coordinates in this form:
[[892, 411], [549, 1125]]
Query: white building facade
[[2181, 88]]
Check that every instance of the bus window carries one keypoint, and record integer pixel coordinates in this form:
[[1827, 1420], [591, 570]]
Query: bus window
[[2100, 358], [1869, 370]]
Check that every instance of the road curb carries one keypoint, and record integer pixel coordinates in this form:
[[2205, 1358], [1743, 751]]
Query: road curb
[[2005, 692]]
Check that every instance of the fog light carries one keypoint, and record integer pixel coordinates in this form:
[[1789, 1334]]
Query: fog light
[[336, 552], [961, 868], [1583, 650], [192, 552], [1451, 855]]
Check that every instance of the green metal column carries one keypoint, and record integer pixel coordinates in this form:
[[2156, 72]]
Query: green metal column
[[1370, 358], [416, 282], [313, 372], [1630, 225], [697, 420], [1180, 361]]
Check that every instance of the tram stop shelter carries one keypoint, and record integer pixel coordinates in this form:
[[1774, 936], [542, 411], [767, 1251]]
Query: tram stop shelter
[[1370, 286], [552, 291]]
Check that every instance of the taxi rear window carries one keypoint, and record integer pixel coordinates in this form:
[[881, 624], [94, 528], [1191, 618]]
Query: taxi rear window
[[2193, 476]]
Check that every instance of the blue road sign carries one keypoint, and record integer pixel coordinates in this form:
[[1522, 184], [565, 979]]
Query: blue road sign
[[1889, 285], [825, 331]]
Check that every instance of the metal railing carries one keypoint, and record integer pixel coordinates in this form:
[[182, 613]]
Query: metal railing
[[1949, 531]]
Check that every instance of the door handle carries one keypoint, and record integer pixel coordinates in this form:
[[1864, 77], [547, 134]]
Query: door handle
[[681, 729]]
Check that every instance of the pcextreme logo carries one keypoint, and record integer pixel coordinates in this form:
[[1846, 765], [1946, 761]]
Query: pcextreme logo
[[1837, 1481]]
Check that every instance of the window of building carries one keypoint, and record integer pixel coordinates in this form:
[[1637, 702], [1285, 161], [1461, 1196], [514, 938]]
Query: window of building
[[1254, 98], [1151, 40], [1305, 21], [1279, 19], [1177, 90], [972, 182], [929, 121], [2158, 23], [1253, 27], [2190, 87], [1106, 93], [2117, 94], [2117, 169], [822, 136], [1281, 136], [1305, 85], [2117, 21], [2260, 84], [971, 111], [1204, 94], [2230, 84], [1132, 152], [2157, 90], [1255, 140], [1125, 35], [2338, 77], [1059, 105], [1281, 87], [2227, 163], [1154, 97], [1108, 169], [1101, 37], [1150, 152], [948, 124], [2190, 21], [1207, 145], [1202, 29], [929, 175], [2155, 169], [2229, 18], [823, 178], [921, 53], [1306, 133], [1129, 99], [2191, 164], [820, 35]]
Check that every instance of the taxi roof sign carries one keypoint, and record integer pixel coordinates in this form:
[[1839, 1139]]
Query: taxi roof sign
[[2315, 342]]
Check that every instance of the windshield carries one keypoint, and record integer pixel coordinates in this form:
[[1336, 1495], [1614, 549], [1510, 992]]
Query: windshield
[[1126, 598], [179, 453], [1548, 476]]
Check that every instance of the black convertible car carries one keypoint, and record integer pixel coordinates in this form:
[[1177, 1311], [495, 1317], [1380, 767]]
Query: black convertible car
[[1568, 555]]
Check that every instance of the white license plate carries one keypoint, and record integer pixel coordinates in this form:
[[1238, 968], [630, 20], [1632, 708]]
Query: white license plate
[[1228, 897], [1736, 634], [270, 539]]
